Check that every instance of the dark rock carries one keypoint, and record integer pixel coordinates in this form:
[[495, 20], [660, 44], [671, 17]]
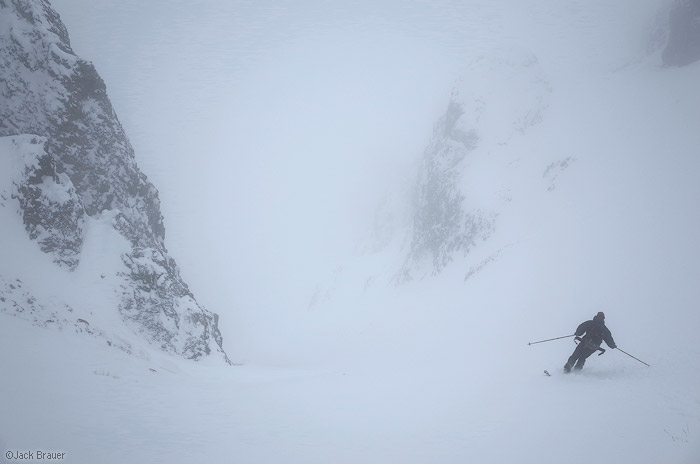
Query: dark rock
[[52, 210], [683, 45], [87, 168], [449, 218]]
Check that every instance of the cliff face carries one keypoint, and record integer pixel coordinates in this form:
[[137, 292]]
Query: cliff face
[[499, 98], [463, 186], [84, 166], [683, 45]]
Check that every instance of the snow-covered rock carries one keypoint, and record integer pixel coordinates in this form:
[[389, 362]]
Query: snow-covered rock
[[500, 97], [72, 160], [52, 211]]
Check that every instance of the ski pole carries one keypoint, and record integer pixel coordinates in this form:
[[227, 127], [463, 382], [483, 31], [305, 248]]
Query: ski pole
[[550, 339], [634, 357]]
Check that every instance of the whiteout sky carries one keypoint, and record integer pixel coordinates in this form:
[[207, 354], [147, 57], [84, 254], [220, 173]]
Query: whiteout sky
[[273, 128]]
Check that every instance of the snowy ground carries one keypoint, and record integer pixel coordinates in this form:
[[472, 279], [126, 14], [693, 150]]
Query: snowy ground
[[434, 371], [489, 403]]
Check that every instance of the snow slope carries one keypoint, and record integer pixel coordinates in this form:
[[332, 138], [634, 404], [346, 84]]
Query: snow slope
[[438, 369], [435, 371], [489, 403]]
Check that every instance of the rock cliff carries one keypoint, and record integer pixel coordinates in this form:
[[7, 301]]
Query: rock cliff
[[83, 166]]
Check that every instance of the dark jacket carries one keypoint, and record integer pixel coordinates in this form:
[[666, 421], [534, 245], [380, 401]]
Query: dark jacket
[[595, 333]]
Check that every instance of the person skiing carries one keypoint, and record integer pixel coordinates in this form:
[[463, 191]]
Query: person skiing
[[595, 333]]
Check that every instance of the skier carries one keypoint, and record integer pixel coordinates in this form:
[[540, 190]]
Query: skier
[[595, 333]]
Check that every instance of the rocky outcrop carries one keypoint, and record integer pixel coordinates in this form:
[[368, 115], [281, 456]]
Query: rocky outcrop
[[683, 46], [87, 167], [499, 97], [441, 225], [52, 210]]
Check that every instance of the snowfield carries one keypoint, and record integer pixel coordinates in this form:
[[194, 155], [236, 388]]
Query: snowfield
[[597, 210], [490, 404]]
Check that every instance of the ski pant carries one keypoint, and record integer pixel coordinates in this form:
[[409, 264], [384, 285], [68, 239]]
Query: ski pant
[[582, 351]]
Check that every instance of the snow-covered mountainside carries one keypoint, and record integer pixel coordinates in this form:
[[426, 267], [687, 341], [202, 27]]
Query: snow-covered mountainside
[[69, 171], [493, 149], [498, 99], [561, 180]]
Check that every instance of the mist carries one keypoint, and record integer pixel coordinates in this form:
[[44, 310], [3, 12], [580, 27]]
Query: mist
[[384, 202], [273, 130]]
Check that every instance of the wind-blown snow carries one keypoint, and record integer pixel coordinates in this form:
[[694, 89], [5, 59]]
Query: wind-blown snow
[[594, 201]]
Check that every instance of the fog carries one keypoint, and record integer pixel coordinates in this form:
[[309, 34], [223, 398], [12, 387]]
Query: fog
[[274, 129], [271, 129]]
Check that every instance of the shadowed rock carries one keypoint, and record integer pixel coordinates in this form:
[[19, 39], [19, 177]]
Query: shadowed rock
[[88, 167], [683, 45]]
